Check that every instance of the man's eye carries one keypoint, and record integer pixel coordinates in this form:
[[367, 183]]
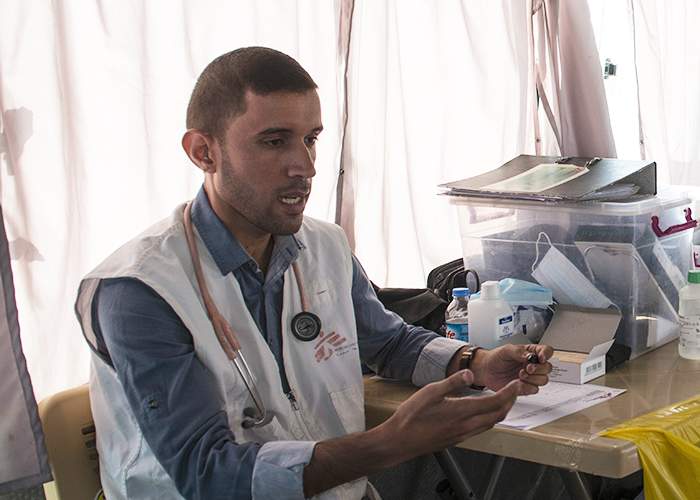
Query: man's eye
[[310, 141], [274, 142]]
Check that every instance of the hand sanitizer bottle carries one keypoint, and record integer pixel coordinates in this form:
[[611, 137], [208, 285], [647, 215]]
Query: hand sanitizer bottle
[[689, 312], [490, 317]]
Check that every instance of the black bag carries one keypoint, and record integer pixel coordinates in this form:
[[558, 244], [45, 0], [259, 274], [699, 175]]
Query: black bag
[[445, 277], [416, 306]]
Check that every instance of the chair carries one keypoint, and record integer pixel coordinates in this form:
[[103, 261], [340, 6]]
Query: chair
[[69, 432]]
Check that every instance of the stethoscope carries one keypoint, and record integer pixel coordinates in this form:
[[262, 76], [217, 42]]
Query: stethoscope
[[305, 326]]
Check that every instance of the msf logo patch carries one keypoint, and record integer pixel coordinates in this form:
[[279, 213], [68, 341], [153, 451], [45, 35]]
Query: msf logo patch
[[327, 345]]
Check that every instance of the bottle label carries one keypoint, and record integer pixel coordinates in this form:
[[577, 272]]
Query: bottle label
[[458, 331], [505, 327], [690, 332]]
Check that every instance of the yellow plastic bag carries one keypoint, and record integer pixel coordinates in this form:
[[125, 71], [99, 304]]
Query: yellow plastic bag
[[667, 443]]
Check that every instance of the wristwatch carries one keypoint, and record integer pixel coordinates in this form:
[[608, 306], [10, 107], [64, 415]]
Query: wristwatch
[[465, 361]]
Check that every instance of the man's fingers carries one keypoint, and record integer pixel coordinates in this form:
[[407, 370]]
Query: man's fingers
[[543, 352], [454, 383], [535, 379], [536, 375], [542, 369], [510, 391], [484, 421], [477, 405], [527, 389]]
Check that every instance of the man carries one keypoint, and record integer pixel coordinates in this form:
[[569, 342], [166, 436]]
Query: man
[[173, 415]]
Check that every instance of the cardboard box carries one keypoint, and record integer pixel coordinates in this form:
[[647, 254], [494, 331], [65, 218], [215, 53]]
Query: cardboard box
[[580, 338]]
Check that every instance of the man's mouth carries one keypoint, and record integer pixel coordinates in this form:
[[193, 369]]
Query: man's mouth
[[290, 200], [294, 197]]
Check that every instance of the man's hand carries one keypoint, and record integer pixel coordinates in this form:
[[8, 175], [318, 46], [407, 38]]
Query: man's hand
[[436, 416], [496, 368]]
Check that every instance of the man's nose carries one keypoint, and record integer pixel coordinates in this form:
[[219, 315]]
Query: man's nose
[[302, 162]]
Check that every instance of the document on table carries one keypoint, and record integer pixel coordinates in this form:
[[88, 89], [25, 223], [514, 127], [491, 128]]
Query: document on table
[[555, 400]]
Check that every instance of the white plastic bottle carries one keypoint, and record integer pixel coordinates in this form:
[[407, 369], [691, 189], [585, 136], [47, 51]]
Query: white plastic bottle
[[457, 315], [689, 312], [490, 317]]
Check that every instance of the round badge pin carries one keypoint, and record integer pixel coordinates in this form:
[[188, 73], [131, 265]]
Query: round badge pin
[[306, 326]]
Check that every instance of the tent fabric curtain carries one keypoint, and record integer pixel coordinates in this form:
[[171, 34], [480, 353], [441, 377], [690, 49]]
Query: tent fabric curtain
[[568, 79], [437, 91], [446, 90], [92, 102], [345, 207], [24, 462], [667, 44]]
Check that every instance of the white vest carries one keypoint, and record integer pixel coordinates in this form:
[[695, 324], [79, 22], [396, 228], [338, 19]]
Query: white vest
[[324, 375]]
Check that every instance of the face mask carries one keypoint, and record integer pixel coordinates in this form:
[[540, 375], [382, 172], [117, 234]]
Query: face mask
[[532, 322], [523, 293], [568, 284]]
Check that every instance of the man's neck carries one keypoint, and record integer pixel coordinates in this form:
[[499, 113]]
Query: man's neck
[[260, 251], [256, 243]]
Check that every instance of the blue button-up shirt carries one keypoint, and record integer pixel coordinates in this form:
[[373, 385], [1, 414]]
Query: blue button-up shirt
[[152, 351]]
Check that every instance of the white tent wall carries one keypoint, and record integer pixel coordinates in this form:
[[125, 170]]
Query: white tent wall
[[93, 98], [653, 97], [438, 91], [93, 94], [444, 90]]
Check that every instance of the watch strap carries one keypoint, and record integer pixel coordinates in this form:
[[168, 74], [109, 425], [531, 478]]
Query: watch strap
[[465, 361]]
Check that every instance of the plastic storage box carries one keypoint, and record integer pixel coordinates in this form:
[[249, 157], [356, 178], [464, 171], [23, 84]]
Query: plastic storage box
[[636, 253]]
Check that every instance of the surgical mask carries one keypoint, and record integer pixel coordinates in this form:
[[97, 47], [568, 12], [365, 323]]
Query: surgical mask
[[532, 321], [569, 285], [524, 293]]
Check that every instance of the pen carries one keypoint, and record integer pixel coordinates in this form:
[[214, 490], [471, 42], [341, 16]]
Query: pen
[[533, 358], [592, 161]]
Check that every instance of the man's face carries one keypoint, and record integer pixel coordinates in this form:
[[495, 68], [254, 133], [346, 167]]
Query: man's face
[[268, 160]]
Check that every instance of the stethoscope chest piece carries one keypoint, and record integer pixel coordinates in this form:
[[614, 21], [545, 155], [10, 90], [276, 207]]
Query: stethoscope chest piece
[[306, 326]]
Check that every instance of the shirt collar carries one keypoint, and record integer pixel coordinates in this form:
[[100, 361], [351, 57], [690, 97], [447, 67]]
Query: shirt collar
[[226, 250]]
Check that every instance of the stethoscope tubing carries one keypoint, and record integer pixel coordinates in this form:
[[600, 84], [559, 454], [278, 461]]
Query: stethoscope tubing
[[224, 333]]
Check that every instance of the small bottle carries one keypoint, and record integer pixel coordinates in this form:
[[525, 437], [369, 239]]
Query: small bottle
[[490, 317], [689, 312], [457, 315]]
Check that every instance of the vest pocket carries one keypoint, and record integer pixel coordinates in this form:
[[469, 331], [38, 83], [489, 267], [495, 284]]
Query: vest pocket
[[320, 292], [349, 404]]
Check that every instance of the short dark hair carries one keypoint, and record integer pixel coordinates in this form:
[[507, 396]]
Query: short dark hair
[[219, 93]]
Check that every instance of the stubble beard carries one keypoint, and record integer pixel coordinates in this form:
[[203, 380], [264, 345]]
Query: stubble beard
[[243, 199]]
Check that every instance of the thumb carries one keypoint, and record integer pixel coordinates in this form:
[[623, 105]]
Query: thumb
[[512, 389], [454, 383]]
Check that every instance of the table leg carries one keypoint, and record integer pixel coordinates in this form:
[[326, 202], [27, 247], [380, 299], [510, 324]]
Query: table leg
[[574, 484], [455, 476], [536, 483], [495, 476]]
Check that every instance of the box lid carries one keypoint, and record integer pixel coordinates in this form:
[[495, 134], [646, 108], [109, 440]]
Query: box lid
[[582, 329]]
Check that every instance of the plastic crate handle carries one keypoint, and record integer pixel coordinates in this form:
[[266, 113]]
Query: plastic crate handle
[[689, 223]]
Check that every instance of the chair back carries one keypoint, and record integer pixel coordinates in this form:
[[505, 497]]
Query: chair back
[[69, 432]]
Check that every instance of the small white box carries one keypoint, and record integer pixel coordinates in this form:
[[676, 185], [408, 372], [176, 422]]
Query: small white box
[[579, 367], [580, 338]]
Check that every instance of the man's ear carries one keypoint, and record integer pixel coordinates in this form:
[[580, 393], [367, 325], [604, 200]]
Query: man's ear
[[201, 148]]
